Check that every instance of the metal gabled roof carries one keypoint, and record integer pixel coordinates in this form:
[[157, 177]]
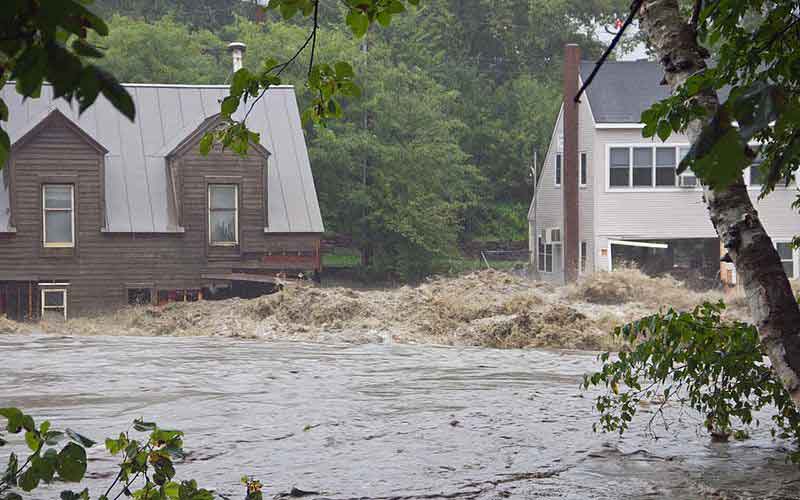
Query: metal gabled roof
[[137, 193]]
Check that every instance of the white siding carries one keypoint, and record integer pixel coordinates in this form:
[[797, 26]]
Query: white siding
[[673, 213], [586, 193], [548, 206]]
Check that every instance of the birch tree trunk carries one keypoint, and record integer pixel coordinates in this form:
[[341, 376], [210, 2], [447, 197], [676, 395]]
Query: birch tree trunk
[[772, 305]]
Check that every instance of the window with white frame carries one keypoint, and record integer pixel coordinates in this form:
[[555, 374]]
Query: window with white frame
[[665, 166], [756, 175], [583, 256], [584, 169], [619, 167], [545, 253], [223, 214], [58, 215], [642, 167], [54, 304], [786, 253], [558, 169], [647, 167]]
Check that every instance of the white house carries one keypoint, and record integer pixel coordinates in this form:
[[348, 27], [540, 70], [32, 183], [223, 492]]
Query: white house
[[605, 194]]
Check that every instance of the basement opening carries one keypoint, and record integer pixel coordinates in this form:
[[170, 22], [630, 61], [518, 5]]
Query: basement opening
[[140, 296]]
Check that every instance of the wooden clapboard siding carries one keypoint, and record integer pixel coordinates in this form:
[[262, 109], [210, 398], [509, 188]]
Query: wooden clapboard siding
[[102, 264]]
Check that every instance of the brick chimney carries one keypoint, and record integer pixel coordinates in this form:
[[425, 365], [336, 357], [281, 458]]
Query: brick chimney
[[237, 54], [569, 183]]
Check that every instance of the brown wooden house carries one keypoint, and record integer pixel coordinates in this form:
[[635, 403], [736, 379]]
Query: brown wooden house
[[97, 212]]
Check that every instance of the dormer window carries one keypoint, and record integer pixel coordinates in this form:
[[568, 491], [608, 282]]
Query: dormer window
[[223, 214], [58, 215]]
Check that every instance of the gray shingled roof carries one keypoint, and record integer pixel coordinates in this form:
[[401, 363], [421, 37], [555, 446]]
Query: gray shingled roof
[[136, 173], [623, 89]]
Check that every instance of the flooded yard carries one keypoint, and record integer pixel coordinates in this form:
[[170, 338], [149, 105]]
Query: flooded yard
[[375, 420]]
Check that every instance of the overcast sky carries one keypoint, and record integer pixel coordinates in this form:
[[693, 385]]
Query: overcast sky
[[637, 53]]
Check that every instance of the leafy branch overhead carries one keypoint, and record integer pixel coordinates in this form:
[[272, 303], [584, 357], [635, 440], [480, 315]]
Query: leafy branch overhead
[[756, 69], [48, 40], [329, 83]]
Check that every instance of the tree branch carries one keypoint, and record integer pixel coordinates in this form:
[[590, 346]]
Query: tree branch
[[631, 16]]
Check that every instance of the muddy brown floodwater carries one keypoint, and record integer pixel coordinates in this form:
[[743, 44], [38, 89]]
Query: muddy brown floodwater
[[375, 421]]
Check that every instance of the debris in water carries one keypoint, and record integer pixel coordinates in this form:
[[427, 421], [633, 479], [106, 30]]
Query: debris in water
[[487, 308]]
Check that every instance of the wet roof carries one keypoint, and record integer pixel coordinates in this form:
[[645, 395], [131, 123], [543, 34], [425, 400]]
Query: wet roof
[[136, 172], [623, 89]]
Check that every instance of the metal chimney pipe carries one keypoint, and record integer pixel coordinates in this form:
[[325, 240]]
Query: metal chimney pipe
[[237, 50]]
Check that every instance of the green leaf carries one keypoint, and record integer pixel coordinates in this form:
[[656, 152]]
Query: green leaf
[[172, 490], [80, 439], [241, 80], [30, 70], [116, 94], [33, 440], [28, 480], [229, 105], [664, 130], [396, 7], [12, 415], [358, 23], [141, 425], [71, 464], [85, 49], [27, 423], [343, 70], [45, 466], [53, 437], [384, 18], [206, 143], [71, 495], [756, 108], [12, 468]]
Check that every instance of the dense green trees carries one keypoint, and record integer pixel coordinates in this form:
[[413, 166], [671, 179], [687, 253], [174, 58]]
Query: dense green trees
[[467, 92]]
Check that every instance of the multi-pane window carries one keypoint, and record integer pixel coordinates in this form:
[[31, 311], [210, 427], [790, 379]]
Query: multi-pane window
[[545, 254], [619, 167], [58, 215], [54, 304], [787, 257], [558, 169], [223, 214], [584, 169], [583, 256], [665, 166], [645, 167], [642, 167], [756, 174]]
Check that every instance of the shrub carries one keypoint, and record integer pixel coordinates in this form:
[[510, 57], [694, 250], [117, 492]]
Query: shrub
[[146, 469], [693, 359]]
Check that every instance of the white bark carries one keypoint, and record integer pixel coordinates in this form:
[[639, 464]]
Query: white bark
[[772, 305]]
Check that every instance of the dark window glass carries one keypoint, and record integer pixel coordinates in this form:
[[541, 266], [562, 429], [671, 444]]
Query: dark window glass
[[787, 257], [619, 167], [643, 167], [665, 166], [584, 169], [558, 169]]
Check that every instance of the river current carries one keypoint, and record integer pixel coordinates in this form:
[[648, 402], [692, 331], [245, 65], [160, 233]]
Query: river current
[[376, 421]]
